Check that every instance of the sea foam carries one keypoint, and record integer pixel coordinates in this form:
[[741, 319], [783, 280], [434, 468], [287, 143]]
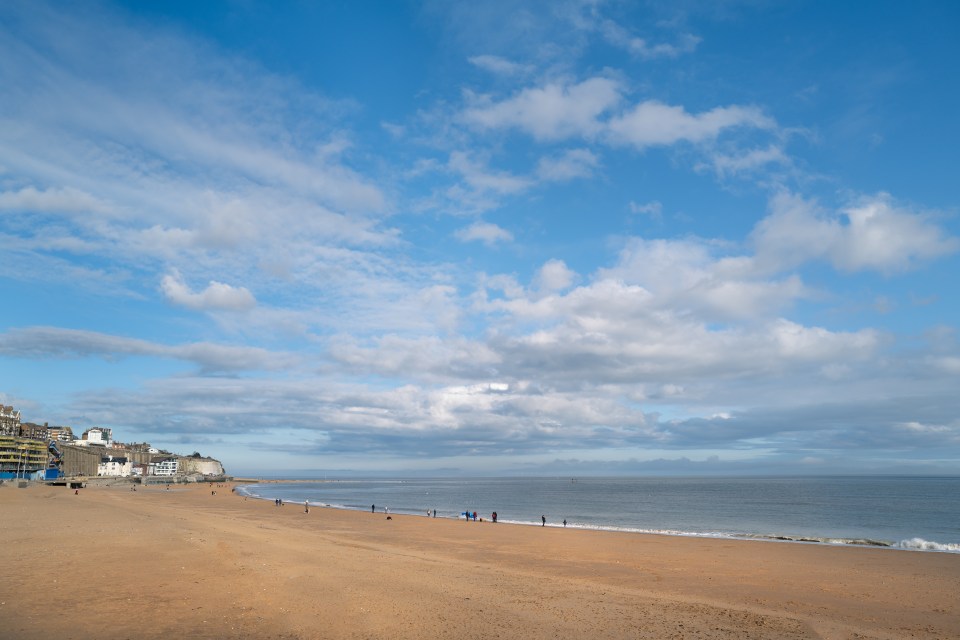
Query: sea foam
[[919, 544]]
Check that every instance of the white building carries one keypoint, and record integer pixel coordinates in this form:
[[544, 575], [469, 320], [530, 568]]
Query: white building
[[97, 437], [167, 467], [110, 466], [9, 421]]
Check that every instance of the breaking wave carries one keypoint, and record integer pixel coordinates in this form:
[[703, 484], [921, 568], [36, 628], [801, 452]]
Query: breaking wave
[[919, 544]]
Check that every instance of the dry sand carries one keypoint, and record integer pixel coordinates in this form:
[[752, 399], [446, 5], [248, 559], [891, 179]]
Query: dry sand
[[182, 563]]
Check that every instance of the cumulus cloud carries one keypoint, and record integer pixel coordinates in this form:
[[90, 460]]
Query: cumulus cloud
[[573, 163], [874, 233], [653, 123], [485, 232], [554, 276], [554, 111], [591, 110], [216, 297], [685, 274], [879, 235], [745, 162]]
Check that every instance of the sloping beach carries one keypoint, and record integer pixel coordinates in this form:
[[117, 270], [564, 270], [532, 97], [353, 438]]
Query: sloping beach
[[183, 562]]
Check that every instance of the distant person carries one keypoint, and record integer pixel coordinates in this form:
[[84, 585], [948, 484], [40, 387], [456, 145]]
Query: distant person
[[306, 507], [434, 513], [373, 508], [386, 510], [564, 522], [543, 521], [493, 516], [474, 516]]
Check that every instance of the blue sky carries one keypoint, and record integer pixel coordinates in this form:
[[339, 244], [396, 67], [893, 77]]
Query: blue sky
[[540, 238]]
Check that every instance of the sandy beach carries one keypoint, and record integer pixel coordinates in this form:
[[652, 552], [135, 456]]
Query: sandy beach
[[184, 563]]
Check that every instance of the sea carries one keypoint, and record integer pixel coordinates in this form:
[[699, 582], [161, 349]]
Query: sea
[[895, 512]]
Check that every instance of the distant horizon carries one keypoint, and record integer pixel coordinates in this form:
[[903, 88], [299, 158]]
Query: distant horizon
[[385, 476]]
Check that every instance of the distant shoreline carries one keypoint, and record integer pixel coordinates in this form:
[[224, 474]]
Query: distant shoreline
[[718, 510]]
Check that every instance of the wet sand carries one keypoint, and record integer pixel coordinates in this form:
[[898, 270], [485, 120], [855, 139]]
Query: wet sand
[[182, 563]]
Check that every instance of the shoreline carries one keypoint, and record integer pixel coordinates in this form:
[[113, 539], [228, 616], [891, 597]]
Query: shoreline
[[207, 563], [907, 544]]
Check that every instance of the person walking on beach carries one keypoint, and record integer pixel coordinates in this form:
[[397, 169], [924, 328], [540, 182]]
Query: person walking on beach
[[373, 508], [543, 521], [564, 522], [306, 507], [494, 516]]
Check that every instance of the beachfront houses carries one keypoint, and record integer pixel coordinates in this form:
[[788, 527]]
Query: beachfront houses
[[167, 467], [118, 467], [30, 451], [61, 434]]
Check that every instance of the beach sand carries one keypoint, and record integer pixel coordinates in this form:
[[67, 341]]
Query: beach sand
[[183, 563]]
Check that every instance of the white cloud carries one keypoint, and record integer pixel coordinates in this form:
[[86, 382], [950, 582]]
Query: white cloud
[[573, 163], [56, 342], [485, 232], [587, 110], [554, 275], [64, 199], [686, 275], [654, 209], [554, 111], [748, 161], [878, 235], [499, 66], [479, 177], [622, 38], [653, 123], [216, 297]]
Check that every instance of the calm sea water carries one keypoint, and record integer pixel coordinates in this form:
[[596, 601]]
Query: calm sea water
[[920, 513]]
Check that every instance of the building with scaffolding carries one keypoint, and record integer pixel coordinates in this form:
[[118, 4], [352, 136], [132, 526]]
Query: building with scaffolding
[[23, 458]]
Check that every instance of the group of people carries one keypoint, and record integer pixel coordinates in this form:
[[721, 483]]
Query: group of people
[[472, 515], [468, 515]]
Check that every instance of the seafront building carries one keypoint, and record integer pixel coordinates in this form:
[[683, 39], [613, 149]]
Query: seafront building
[[30, 451], [97, 437], [9, 421], [21, 457], [118, 467]]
